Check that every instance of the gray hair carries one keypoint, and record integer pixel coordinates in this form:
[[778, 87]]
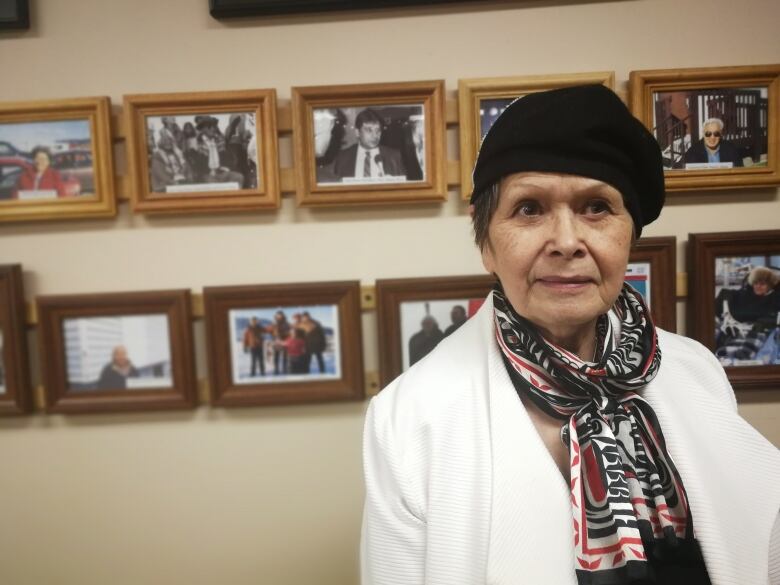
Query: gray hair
[[485, 204], [717, 121]]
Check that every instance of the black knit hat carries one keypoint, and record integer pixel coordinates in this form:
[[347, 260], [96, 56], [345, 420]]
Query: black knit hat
[[584, 130]]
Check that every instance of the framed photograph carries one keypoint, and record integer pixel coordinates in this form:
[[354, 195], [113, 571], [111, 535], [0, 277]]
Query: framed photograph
[[415, 314], [56, 160], [15, 393], [117, 351], [14, 14], [717, 127], [734, 287], [652, 271], [379, 143], [482, 100], [238, 8], [284, 344], [204, 151]]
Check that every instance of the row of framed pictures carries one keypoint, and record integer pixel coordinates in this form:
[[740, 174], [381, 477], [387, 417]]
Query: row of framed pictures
[[353, 144], [282, 344]]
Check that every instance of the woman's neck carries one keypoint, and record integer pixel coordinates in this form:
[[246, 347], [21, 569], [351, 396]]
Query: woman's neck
[[581, 341]]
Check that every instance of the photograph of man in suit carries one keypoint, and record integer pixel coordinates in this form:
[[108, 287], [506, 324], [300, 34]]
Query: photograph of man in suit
[[712, 148], [368, 160]]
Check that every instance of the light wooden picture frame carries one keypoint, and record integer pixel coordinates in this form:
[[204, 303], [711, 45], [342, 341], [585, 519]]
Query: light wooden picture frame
[[401, 124], [15, 391], [481, 100], [284, 343], [202, 152], [117, 352], [717, 126], [733, 309], [56, 160]]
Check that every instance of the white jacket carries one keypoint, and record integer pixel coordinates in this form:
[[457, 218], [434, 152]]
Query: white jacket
[[460, 489]]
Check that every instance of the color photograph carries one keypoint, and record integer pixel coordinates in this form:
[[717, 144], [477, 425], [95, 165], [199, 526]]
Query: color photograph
[[128, 352], [369, 145], [489, 111], [202, 152], [425, 323], [638, 276], [711, 129], [285, 344], [48, 160], [747, 323]]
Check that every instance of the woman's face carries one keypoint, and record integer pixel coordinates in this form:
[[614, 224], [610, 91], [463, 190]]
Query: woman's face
[[559, 244], [761, 288], [41, 161]]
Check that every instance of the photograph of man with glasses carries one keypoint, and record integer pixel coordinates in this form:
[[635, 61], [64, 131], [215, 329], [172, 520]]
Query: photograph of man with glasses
[[712, 149]]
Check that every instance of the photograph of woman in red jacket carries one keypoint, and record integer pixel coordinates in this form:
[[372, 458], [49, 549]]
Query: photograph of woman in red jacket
[[41, 176]]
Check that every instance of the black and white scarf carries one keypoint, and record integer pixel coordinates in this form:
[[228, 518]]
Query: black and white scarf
[[628, 501]]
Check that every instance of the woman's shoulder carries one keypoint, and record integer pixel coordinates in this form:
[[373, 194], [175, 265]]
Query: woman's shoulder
[[456, 370], [686, 359]]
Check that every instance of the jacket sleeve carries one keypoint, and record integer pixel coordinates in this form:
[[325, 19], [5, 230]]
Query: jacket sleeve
[[393, 535], [774, 553]]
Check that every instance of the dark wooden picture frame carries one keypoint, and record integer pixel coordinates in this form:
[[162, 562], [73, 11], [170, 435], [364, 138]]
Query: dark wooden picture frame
[[427, 96], [78, 178], [240, 8], [20, 20], [390, 293], [746, 117], [660, 253], [204, 106], [16, 397], [703, 250], [343, 296], [175, 305]]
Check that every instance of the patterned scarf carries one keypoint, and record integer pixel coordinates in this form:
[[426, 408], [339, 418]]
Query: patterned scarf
[[628, 500]]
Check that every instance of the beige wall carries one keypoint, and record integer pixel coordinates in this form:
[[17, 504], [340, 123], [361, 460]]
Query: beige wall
[[273, 495]]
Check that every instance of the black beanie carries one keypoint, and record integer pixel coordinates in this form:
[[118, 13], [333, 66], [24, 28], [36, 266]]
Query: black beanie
[[583, 130]]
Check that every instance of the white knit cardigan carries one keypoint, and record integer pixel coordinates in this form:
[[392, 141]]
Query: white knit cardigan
[[460, 489]]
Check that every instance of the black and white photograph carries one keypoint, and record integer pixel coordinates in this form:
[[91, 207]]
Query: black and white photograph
[[369, 145], [46, 160], [285, 344], [425, 323], [712, 129], [747, 306], [202, 152], [122, 352]]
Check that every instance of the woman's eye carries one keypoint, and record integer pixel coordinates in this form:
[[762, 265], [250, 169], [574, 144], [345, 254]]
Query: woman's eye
[[597, 207], [527, 208]]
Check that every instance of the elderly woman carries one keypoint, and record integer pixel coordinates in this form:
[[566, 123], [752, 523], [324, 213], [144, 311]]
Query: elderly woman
[[558, 437]]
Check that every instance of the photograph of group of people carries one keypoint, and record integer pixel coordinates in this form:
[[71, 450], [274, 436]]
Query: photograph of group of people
[[368, 145], [45, 160], [712, 128], [122, 352], [202, 152], [285, 344], [747, 302]]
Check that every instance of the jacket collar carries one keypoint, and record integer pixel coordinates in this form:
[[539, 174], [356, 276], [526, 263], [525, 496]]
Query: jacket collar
[[530, 524]]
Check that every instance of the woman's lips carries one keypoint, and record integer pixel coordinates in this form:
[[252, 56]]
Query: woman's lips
[[565, 282]]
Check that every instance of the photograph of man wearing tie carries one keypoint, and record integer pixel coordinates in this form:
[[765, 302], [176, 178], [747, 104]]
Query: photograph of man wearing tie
[[367, 160]]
